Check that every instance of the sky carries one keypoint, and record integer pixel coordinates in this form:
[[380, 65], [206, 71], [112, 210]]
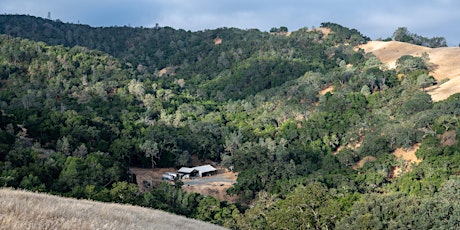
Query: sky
[[375, 19]]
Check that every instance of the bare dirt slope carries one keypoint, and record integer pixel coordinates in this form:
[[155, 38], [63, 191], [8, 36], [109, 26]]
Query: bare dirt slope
[[408, 158], [446, 61], [27, 210], [408, 154]]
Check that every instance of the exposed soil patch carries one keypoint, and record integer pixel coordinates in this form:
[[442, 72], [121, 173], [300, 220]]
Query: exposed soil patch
[[408, 155], [363, 161], [217, 41], [326, 90], [168, 71], [338, 150], [409, 158]]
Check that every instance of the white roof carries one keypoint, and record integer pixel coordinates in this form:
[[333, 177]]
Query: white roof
[[205, 168], [186, 170]]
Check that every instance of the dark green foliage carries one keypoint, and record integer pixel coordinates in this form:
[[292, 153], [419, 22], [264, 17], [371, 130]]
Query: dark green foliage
[[418, 102], [282, 29], [407, 64], [402, 34], [399, 211], [255, 76], [309, 207], [344, 35]]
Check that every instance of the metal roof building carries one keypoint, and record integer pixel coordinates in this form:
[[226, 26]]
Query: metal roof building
[[205, 169], [201, 170]]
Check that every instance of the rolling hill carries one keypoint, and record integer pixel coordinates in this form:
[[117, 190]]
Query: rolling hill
[[445, 61], [28, 210]]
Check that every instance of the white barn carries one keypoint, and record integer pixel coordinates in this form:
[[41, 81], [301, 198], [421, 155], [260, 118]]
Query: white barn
[[203, 170]]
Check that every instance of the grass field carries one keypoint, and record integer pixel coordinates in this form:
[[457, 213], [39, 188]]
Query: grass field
[[28, 210]]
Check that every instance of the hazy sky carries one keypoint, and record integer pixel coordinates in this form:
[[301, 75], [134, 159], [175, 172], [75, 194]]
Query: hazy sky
[[376, 19]]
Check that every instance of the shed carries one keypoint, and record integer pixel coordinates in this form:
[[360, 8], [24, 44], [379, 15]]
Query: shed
[[185, 172], [205, 170]]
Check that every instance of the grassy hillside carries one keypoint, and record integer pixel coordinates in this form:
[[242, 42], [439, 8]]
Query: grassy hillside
[[443, 60], [28, 210]]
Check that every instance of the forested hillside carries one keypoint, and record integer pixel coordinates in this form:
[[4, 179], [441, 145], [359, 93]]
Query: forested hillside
[[309, 121]]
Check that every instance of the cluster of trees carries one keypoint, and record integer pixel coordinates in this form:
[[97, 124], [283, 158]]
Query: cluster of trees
[[402, 34], [80, 105], [281, 29]]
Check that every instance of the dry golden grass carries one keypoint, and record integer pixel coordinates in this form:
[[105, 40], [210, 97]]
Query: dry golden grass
[[445, 61], [27, 210]]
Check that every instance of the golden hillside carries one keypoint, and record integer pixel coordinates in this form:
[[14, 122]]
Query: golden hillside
[[27, 210], [446, 61]]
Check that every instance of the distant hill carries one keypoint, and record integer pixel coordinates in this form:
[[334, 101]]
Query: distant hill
[[28, 210], [445, 61]]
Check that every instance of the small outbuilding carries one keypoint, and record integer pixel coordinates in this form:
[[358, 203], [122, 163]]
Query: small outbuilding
[[186, 172], [204, 170]]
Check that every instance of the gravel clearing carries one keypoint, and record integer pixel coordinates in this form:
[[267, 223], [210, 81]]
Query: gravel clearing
[[219, 178]]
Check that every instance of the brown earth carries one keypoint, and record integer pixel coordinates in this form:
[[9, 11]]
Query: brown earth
[[363, 161], [408, 154], [217, 41], [409, 158], [445, 62], [326, 90], [168, 71]]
